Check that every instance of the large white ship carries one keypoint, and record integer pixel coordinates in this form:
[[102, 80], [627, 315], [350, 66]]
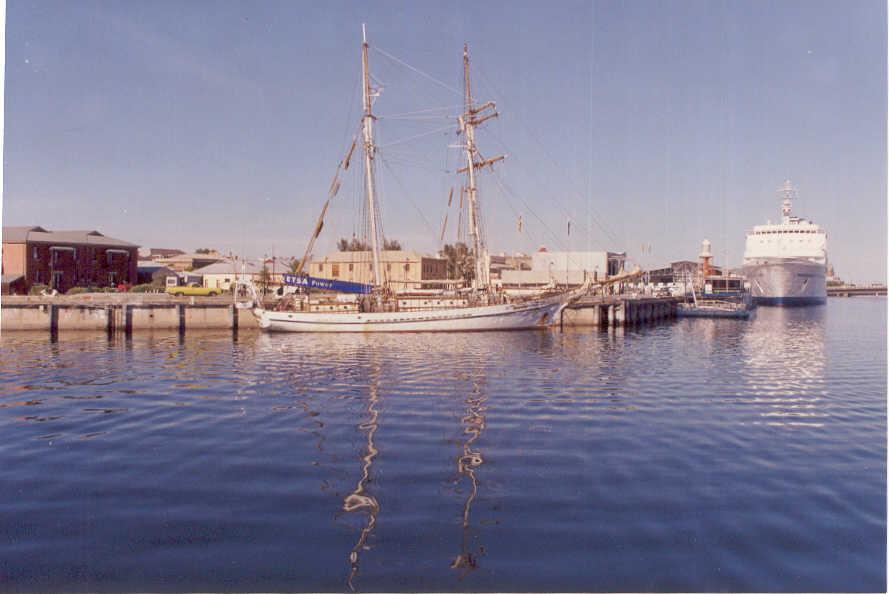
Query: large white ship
[[786, 263]]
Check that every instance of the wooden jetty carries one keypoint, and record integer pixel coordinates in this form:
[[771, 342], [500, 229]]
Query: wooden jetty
[[619, 310]]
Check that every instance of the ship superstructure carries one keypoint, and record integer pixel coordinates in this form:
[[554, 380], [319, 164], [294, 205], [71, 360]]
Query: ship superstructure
[[786, 262]]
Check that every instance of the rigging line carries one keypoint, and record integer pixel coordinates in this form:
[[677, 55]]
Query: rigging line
[[536, 139], [351, 109], [414, 137], [536, 216], [396, 161], [590, 211], [414, 158], [527, 231], [423, 111], [418, 71], [411, 200], [417, 118]]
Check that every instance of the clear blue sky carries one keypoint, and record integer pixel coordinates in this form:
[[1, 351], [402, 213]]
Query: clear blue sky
[[219, 124]]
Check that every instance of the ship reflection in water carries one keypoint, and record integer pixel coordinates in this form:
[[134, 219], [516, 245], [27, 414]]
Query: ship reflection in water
[[360, 500], [467, 463], [784, 367], [693, 455]]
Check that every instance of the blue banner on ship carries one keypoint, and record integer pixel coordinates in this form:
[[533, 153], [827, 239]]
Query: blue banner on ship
[[310, 282]]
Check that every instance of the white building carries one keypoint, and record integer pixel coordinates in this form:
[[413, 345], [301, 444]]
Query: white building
[[565, 268], [222, 275]]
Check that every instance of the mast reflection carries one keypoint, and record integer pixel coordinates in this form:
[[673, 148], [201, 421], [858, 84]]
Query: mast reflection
[[467, 463], [360, 500]]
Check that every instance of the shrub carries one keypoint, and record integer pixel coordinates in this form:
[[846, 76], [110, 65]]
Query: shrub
[[77, 290], [37, 289], [145, 288]]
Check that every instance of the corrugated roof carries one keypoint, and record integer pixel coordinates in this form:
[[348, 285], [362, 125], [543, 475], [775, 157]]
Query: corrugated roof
[[18, 234], [41, 235], [228, 267], [145, 265], [185, 258]]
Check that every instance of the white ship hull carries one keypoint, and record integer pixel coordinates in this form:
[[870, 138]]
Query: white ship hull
[[787, 281], [513, 316]]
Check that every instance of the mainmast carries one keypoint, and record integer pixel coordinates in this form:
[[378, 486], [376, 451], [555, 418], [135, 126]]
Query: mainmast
[[367, 125], [789, 193], [468, 121]]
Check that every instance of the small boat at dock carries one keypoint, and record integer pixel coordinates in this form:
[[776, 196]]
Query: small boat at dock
[[720, 305], [713, 308]]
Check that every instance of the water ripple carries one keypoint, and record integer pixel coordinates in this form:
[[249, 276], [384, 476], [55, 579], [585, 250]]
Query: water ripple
[[695, 455]]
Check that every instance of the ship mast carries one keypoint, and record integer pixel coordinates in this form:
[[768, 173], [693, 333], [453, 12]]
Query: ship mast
[[472, 117], [367, 124], [789, 193]]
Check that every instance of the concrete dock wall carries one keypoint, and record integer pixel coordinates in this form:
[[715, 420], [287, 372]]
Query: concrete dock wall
[[25, 318], [82, 318], [26, 314]]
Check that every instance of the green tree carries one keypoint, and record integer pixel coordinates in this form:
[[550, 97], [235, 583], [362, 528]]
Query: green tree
[[460, 261], [357, 245], [264, 278], [352, 245]]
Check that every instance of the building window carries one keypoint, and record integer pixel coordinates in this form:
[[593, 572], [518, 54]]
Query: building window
[[351, 267], [407, 266], [37, 277], [56, 280], [112, 277], [389, 267], [320, 267], [335, 270]]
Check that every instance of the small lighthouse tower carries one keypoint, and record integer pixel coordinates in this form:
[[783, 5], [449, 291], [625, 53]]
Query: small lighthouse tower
[[705, 256]]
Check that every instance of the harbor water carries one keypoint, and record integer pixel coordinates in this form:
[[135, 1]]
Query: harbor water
[[693, 455]]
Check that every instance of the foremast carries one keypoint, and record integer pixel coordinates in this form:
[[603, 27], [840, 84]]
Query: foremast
[[368, 94], [472, 117]]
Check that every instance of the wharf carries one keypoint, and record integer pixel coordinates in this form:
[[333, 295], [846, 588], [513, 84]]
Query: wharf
[[619, 310], [127, 312], [852, 291]]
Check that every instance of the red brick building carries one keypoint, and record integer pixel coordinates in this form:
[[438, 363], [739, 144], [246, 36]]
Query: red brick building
[[65, 259]]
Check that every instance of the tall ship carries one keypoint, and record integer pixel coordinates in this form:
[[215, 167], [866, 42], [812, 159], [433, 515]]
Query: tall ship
[[381, 305], [786, 263]]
